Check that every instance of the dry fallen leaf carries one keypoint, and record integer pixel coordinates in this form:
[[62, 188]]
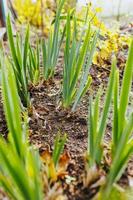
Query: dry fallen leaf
[[54, 172]]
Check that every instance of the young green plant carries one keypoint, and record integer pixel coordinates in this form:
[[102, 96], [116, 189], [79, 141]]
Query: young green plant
[[19, 163], [122, 143], [51, 46], [19, 58], [97, 124], [34, 64], [78, 58], [58, 148], [54, 166]]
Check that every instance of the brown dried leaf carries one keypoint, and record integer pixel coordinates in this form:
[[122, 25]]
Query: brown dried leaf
[[51, 170], [46, 157]]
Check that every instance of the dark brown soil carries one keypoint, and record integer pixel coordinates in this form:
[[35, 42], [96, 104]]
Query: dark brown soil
[[3, 127], [50, 117]]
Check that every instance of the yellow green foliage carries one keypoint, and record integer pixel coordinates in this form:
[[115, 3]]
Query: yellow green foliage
[[91, 16], [111, 42]]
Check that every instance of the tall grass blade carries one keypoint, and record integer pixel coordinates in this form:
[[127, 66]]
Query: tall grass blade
[[102, 125], [126, 85], [12, 104]]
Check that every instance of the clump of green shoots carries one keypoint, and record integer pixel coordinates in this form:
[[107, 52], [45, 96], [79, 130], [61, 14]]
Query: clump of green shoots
[[122, 144], [34, 64], [97, 122], [54, 167], [19, 163], [19, 53], [52, 160], [51, 46], [78, 56], [58, 148]]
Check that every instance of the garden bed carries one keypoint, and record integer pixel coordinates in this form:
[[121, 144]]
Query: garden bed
[[48, 117]]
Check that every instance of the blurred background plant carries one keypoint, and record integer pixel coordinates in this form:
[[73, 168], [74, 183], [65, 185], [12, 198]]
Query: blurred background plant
[[15, 152], [111, 41], [40, 13]]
